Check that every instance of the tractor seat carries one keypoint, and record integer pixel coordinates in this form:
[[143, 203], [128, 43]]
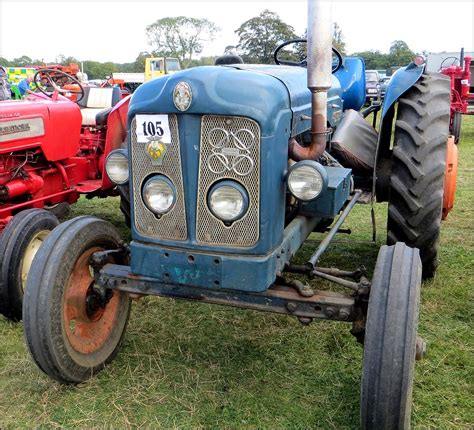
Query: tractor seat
[[97, 103]]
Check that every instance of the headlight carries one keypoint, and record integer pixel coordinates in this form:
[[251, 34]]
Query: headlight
[[307, 179], [116, 166], [159, 194], [372, 91], [228, 201]]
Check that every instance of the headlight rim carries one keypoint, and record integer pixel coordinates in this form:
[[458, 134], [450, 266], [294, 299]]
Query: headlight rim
[[124, 153], [166, 180], [315, 166], [235, 185]]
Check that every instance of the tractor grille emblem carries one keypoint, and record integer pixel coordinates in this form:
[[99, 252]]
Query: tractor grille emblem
[[182, 96], [155, 150], [230, 151]]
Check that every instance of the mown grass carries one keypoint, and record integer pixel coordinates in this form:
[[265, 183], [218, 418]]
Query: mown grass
[[188, 365]]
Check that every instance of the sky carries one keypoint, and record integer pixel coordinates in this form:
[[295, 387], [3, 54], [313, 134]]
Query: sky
[[115, 30]]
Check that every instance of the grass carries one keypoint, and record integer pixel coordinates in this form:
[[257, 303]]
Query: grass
[[187, 365]]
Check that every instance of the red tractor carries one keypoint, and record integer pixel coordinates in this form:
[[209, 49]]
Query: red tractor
[[461, 97], [52, 150]]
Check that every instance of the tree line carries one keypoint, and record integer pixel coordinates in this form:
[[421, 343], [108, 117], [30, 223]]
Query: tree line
[[184, 38]]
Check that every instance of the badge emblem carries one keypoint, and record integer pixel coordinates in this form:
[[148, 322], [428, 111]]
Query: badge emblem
[[156, 150], [182, 96]]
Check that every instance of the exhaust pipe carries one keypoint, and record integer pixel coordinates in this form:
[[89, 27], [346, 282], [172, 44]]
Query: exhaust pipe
[[319, 48]]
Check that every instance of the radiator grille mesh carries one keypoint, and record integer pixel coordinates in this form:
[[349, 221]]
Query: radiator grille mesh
[[171, 225], [230, 149]]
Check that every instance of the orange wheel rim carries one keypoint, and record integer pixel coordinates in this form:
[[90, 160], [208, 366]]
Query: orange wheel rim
[[87, 325], [450, 176]]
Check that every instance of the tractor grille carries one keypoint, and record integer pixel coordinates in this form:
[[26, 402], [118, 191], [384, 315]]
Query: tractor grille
[[171, 225], [229, 149]]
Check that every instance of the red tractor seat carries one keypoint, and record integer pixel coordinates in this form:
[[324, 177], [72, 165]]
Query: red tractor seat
[[98, 100]]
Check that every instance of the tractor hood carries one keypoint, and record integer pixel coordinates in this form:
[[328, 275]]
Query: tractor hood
[[260, 92]]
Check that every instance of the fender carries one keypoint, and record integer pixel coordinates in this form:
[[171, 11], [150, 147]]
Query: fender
[[402, 80]]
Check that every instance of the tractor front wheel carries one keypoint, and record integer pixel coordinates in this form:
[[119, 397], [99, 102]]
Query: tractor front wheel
[[456, 126], [19, 244], [72, 327], [418, 163], [390, 339]]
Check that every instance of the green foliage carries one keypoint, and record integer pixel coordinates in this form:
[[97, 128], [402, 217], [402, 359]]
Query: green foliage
[[338, 38], [399, 55], [181, 37], [203, 61], [259, 36], [96, 70]]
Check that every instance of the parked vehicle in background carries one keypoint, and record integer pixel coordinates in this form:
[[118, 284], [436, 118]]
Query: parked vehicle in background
[[154, 68], [383, 86], [459, 70], [53, 150], [372, 85]]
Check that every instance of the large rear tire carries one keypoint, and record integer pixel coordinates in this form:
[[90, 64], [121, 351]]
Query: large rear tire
[[19, 243], [71, 331], [390, 339], [418, 168]]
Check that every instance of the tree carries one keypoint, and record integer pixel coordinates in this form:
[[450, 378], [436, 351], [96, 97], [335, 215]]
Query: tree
[[180, 37], [259, 36], [400, 54], [338, 38], [24, 60], [374, 59]]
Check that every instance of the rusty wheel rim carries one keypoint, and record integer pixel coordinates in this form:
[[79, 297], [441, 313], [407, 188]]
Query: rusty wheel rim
[[87, 326], [30, 252]]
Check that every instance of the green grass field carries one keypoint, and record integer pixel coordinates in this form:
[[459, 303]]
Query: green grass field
[[187, 365]]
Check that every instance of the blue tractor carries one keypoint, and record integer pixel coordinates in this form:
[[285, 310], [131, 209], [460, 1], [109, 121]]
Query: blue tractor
[[226, 172]]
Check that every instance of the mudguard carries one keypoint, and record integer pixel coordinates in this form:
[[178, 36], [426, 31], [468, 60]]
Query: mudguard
[[402, 80]]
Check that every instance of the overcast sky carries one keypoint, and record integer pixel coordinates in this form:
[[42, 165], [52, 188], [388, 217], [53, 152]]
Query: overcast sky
[[115, 30]]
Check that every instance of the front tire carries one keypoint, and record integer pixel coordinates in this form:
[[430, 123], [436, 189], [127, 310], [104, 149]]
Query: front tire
[[456, 126], [70, 333], [390, 339], [19, 244], [418, 168]]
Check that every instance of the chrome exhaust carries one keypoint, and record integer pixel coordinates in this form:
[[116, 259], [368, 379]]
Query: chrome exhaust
[[319, 79]]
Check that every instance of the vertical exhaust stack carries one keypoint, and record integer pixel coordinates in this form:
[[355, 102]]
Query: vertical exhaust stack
[[319, 78]]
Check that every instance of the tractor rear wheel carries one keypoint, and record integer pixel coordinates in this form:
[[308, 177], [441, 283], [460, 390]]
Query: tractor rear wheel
[[19, 244], [73, 329], [418, 168], [390, 339]]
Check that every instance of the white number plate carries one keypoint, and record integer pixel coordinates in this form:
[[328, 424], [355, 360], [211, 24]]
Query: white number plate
[[151, 127]]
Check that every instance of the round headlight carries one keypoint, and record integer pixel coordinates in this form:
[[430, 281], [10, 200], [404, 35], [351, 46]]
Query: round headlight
[[228, 201], [116, 166], [306, 180], [159, 194]]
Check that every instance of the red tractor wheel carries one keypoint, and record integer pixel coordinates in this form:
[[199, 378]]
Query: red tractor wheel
[[19, 243], [73, 329]]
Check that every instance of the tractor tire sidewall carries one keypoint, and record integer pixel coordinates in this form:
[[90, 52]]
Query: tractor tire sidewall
[[14, 242], [124, 192], [43, 304], [456, 128], [390, 339], [418, 168]]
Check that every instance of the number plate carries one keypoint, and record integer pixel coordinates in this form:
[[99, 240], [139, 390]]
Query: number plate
[[153, 127]]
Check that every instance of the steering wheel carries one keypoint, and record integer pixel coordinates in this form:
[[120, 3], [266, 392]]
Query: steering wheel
[[49, 74], [304, 62]]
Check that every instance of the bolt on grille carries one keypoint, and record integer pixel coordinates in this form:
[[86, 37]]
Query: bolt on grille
[[171, 225], [230, 149]]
